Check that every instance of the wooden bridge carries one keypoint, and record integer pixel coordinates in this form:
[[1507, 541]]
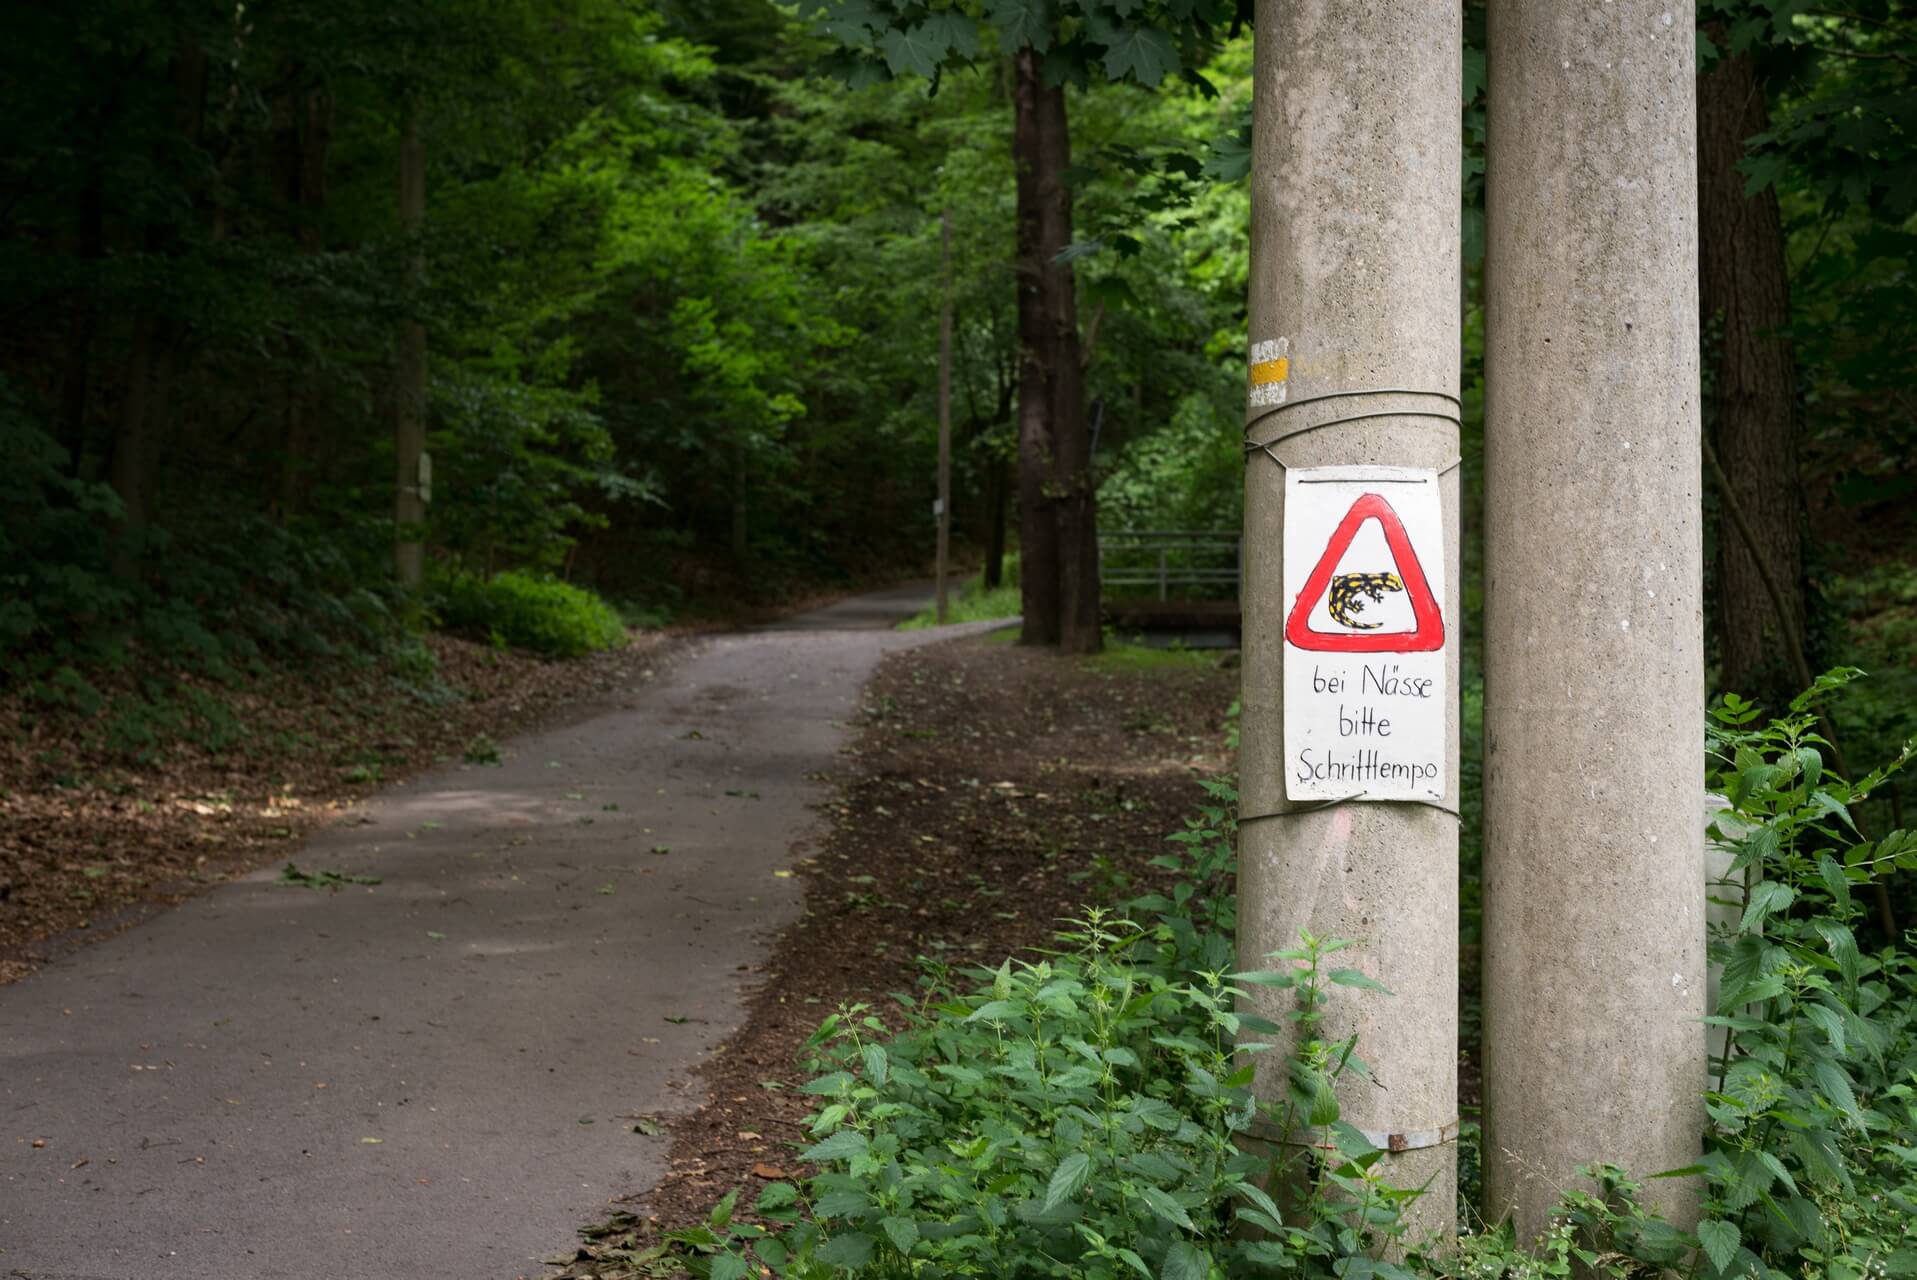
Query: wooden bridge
[[1184, 582]]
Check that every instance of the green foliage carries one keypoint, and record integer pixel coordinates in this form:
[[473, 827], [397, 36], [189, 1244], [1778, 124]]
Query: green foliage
[[1135, 40], [53, 562], [1077, 1116], [973, 602], [1120, 656], [1812, 1161], [1088, 1114], [1876, 609], [322, 879], [1187, 474], [527, 611]]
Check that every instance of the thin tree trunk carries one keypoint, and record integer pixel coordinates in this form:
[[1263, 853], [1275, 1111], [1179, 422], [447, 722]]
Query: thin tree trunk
[[739, 539], [77, 377], [126, 465], [308, 194], [156, 341], [1038, 528], [409, 401], [1744, 286]]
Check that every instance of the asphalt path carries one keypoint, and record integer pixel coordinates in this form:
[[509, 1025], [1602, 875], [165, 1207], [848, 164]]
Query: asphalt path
[[435, 1076]]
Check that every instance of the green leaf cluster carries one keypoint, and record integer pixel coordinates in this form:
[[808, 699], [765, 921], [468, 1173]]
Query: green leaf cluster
[[1812, 1161], [527, 611]]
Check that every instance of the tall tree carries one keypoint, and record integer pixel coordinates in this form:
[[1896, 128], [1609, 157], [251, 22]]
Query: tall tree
[[1744, 288], [1038, 123], [1051, 44], [409, 390]]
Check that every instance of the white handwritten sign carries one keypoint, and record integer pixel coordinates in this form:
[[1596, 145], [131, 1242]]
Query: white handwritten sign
[[1365, 634]]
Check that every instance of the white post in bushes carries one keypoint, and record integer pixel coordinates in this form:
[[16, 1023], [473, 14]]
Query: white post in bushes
[[1594, 676], [1349, 793]]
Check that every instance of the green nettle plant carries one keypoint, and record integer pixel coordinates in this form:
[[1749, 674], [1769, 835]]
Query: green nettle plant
[[1079, 1116], [1089, 1114], [1812, 1160]]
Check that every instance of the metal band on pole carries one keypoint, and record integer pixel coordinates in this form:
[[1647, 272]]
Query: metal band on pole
[[1383, 1140]]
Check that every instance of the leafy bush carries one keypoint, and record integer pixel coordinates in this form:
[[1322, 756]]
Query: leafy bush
[[1085, 1115], [55, 585], [1080, 1116], [542, 614], [1812, 1157]]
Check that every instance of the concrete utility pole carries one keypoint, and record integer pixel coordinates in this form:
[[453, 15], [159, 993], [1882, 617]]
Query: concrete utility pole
[[1594, 674], [1355, 339], [945, 410]]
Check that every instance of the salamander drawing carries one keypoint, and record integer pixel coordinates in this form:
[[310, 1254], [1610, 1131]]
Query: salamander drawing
[[1347, 596]]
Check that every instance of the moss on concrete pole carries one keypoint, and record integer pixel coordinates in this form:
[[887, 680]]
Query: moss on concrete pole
[[1354, 298], [1594, 674]]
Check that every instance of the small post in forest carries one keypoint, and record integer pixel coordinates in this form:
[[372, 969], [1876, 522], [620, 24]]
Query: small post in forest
[[945, 410]]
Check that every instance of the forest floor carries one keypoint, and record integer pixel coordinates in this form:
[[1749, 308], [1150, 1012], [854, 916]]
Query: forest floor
[[991, 793], [93, 840], [425, 1056], [108, 816]]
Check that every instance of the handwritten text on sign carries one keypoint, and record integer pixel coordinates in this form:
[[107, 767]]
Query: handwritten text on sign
[[1365, 634]]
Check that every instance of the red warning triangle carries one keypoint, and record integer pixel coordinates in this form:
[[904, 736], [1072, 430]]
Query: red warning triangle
[[1429, 633]]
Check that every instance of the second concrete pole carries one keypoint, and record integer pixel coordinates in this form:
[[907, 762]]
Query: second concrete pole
[[1594, 672]]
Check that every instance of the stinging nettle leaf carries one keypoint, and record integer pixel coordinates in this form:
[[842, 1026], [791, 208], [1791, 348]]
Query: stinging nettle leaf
[[846, 1144], [730, 1266], [1184, 1261], [902, 1232], [1068, 1179], [849, 1249], [1166, 1207], [1720, 1240]]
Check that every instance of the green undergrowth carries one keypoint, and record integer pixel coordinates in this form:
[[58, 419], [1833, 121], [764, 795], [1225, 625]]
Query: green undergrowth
[[119, 643], [1089, 1112], [1119, 655], [974, 601], [528, 611]]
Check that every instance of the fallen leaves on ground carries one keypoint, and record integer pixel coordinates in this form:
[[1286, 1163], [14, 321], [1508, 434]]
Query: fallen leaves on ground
[[991, 793], [90, 835]]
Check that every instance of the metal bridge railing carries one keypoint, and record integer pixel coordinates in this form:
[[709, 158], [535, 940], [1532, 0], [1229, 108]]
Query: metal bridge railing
[[1207, 560]]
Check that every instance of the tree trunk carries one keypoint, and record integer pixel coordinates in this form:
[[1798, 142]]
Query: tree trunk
[[76, 379], [409, 400], [156, 339], [1038, 575], [1059, 563], [1744, 288], [307, 193], [739, 538], [1078, 615], [126, 464]]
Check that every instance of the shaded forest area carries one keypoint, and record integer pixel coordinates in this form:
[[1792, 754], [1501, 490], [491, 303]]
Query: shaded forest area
[[323, 317]]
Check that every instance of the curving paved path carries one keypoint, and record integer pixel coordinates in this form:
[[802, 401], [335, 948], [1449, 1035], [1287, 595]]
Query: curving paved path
[[429, 1077]]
